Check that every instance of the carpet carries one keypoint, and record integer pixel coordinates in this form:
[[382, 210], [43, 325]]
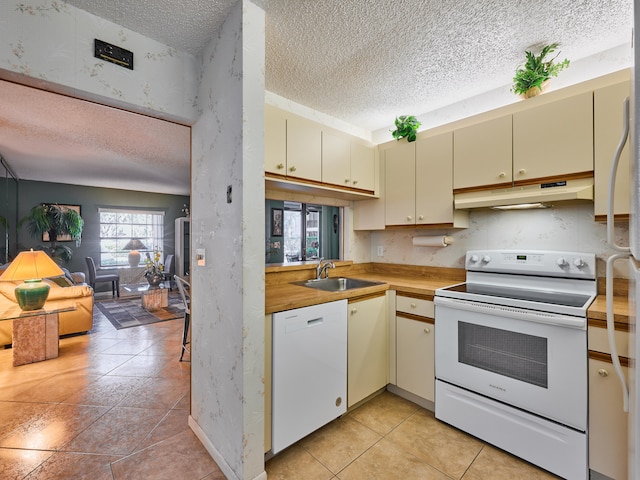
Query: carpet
[[127, 313]]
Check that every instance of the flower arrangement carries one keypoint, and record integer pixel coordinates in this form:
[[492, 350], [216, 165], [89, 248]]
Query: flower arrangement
[[530, 77], [154, 267]]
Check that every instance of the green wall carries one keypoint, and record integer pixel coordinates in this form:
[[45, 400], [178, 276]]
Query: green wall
[[90, 199]]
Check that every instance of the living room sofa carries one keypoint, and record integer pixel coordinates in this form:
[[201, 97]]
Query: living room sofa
[[76, 321]]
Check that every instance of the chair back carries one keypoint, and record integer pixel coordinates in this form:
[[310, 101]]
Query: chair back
[[91, 266], [183, 285], [170, 265]]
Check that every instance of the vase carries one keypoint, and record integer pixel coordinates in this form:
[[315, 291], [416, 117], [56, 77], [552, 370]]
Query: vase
[[535, 91], [154, 279]]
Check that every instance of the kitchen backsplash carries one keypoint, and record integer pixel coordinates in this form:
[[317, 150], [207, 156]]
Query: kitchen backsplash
[[566, 227]]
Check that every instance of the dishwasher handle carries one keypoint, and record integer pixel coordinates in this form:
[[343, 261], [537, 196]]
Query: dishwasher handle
[[315, 321]]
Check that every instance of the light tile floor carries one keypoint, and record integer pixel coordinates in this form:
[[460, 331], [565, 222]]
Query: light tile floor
[[114, 406]]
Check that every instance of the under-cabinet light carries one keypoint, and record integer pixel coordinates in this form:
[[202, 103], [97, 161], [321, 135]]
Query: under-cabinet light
[[521, 206]]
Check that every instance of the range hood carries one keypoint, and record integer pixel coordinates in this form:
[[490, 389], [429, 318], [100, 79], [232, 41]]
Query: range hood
[[579, 189]]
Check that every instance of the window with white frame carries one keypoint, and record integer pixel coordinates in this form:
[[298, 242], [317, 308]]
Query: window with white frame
[[119, 226]]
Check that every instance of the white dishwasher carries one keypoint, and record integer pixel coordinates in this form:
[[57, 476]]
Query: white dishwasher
[[309, 370]]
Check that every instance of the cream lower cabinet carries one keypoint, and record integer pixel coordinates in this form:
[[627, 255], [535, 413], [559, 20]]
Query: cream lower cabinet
[[607, 421], [367, 347], [608, 125], [268, 377], [415, 346]]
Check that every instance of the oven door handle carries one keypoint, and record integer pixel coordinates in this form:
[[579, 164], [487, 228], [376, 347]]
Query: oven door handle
[[513, 312]]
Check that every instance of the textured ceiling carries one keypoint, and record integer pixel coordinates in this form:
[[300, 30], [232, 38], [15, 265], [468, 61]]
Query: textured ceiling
[[367, 61]]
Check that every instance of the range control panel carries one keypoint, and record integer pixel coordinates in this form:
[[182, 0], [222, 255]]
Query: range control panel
[[550, 263]]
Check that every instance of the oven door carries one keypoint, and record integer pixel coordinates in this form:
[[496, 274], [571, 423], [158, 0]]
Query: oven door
[[499, 353]]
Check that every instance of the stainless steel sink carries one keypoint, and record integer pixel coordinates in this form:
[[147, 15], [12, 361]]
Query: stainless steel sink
[[337, 284]]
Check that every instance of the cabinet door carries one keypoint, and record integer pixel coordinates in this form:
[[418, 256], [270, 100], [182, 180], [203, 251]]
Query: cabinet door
[[608, 111], [415, 357], [304, 149], [367, 352], [336, 159], [554, 139], [363, 167], [483, 154], [275, 140], [434, 179], [400, 191], [607, 421]]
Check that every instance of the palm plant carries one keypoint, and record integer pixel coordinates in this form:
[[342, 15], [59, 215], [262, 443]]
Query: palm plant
[[536, 70], [54, 220]]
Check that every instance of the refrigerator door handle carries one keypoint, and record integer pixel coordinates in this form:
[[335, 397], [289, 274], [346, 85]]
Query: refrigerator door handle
[[612, 180], [611, 328]]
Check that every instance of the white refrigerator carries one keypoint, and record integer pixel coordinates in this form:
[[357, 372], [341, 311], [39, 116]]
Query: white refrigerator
[[631, 391]]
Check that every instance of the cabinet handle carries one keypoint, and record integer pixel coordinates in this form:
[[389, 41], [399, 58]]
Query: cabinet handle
[[413, 305], [421, 217], [522, 171], [354, 311], [603, 372], [355, 182], [292, 169], [346, 180], [409, 217], [427, 330], [502, 174], [280, 166]]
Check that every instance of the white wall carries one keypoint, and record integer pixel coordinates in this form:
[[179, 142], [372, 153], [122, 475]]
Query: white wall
[[227, 392], [563, 227], [53, 41]]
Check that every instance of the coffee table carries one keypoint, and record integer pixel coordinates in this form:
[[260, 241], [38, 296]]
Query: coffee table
[[152, 297]]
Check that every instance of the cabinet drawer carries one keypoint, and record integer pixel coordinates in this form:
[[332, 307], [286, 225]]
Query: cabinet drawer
[[599, 341], [416, 306]]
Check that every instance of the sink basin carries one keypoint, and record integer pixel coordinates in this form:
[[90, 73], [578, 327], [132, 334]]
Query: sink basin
[[337, 284]]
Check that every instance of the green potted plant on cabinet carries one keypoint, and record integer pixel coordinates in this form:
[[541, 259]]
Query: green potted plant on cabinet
[[406, 126], [531, 77], [47, 222]]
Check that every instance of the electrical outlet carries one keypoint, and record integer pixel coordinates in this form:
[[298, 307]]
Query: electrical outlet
[[380, 251]]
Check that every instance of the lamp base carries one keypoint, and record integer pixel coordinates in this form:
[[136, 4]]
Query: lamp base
[[32, 294], [134, 259]]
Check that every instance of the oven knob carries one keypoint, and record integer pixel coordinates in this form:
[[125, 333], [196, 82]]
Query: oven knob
[[486, 259], [561, 262], [578, 262], [473, 259]]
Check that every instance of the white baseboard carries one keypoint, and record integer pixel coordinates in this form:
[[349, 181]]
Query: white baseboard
[[215, 454]]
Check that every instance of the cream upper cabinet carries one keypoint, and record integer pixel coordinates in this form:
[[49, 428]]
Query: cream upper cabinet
[[608, 124], [275, 140], [363, 166], [367, 348], [434, 179], [554, 139], [400, 185], [336, 159], [483, 154], [304, 149]]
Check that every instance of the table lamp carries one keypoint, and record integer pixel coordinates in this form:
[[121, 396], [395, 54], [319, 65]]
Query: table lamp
[[134, 255], [32, 267]]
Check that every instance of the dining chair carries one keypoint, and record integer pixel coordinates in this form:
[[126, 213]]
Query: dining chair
[[94, 278], [184, 288], [170, 270]]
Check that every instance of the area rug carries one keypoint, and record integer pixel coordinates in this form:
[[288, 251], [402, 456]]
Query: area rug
[[127, 313]]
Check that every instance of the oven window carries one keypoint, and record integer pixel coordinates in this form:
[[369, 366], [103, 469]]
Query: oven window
[[512, 354]]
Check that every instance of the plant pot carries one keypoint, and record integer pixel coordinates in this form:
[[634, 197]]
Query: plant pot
[[535, 91], [154, 280]]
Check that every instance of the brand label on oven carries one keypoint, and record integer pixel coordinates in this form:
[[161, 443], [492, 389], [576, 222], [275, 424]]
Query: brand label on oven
[[498, 388]]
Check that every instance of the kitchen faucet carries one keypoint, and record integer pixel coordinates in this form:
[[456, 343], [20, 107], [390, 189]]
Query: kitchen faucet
[[323, 267]]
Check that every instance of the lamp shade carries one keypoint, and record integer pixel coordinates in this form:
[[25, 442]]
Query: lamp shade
[[134, 244], [31, 267]]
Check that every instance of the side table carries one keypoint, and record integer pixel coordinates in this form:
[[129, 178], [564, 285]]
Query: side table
[[34, 333]]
